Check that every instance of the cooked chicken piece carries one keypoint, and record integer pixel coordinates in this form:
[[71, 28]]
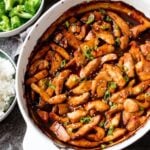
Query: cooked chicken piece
[[116, 134], [102, 50], [71, 127], [133, 124], [60, 131], [143, 104], [38, 76], [108, 57], [37, 66], [90, 68], [101, 88], [103, 75], [116, 30], [41, 52], [74, 28], [60, 50], [72, 81], [53, 100], [114, 122], [124, 41], [113, 110], [145, 49], [86, 127], [131, 106], [54, 117], [43, 83], [57, 99], [63, 109], [98, 136], [89, 45], [82, 33], [60, 79], [90, 35], [72, 40], [124, 27], [79, 57], [84, 143], [58, 37], [77, 100], [138, 89], [43, 115], [120, 96], [76, 115], [106, 36], [84, 86], [126, 62], [97, 105], [144, 76], [135, 52], [140, 28], [116, 74], [55, 63]]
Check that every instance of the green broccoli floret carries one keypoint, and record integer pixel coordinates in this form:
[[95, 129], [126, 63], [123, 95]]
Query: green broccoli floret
[[19, 11], [32, 6], [15, 22], [2, 8], [9, 4], [4, 23]]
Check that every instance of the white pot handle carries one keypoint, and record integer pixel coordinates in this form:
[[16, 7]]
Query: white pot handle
[[32, 141]]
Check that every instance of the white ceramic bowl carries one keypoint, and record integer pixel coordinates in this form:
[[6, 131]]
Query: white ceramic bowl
[[25, 25], [39, 140], [7, 57]]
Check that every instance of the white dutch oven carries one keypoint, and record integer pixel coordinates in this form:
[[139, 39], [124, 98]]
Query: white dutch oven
[[34, 138]]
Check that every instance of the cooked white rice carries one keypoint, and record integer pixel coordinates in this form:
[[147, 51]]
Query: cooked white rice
[[7, 90]]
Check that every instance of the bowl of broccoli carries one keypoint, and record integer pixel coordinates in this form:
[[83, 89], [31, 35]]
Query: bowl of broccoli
[[16, 15]]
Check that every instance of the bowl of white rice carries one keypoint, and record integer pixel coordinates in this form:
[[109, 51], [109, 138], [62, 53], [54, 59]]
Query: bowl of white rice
[[7, 85]]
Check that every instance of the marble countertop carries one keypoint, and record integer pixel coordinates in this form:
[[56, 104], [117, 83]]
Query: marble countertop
[[13, 128]]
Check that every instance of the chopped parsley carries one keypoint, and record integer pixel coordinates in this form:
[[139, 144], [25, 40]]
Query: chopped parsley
[[85, 119], [91, 19]]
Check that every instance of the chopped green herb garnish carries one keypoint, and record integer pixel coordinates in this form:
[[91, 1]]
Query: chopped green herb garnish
[[116, 27], [108, 19], [112, 85], [111, 130], [85, 119], [107, 95], [88, 54], [63, 63], [141, 108], [67, 24], [126, 78], [105, 27], [117, 41], [102, 11], [101, 124], [103, 146], [90, 19], [52, 86]]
